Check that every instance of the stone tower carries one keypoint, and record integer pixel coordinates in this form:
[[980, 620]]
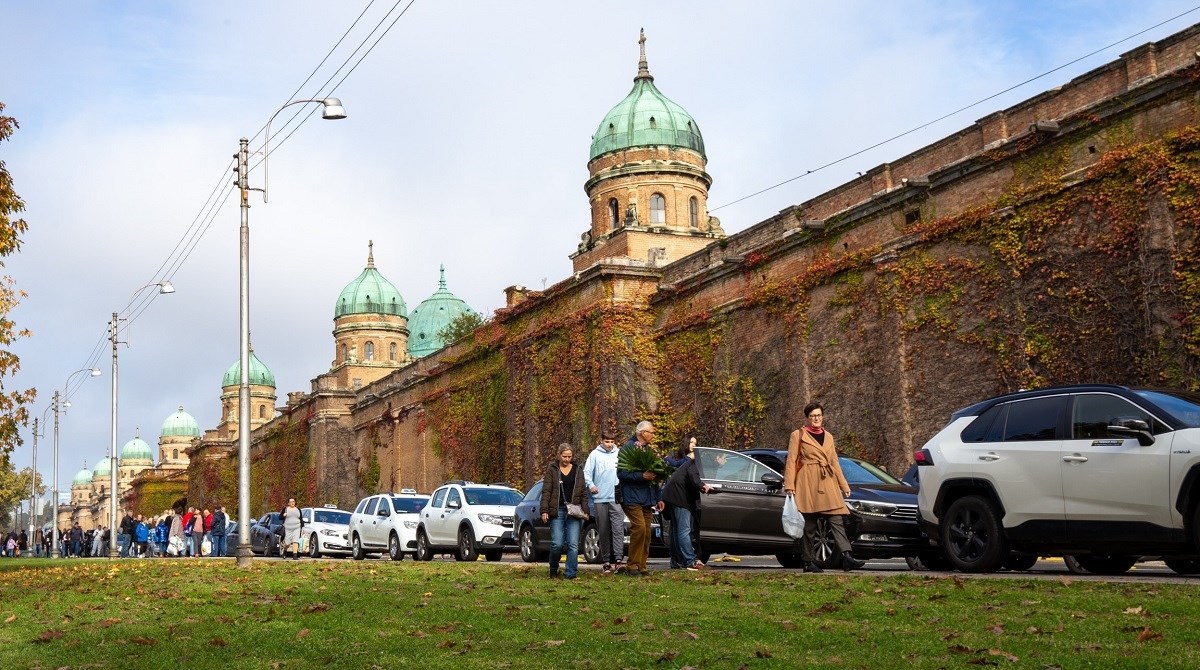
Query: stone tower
[[178, 432], [370, 328], [262, 396]]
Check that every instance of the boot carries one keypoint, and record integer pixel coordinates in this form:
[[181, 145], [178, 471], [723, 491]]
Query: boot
[[812, 567], [849, 562]]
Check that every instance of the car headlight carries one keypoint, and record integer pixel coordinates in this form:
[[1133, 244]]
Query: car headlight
[[411, 525], [868, 508], [330, 532], [494, 519]]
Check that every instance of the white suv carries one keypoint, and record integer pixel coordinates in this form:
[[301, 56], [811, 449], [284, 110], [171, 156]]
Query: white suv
[[386, 522], [326, 530], [468, 519], [1105, 474]]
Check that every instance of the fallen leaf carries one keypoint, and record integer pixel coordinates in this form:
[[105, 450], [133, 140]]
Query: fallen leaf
[[690, 635], [445, 644], [47, 635], [217, 642], [418, 633], [555, 643], [108, 622], [596, 623], [1005, 654], [762, 653], [648, 626], [996, 629], [11, 619], [621, 619], [666, 656], [302, 634], [316, 607], [1033, 630], [1066, 581], [959, 649], [1148, 634], [982, 661], [144, 641], [1133, 610]]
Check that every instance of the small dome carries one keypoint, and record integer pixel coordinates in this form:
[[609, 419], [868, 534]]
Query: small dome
[[182, 424], [644, 118], [259, 375], [136, 450], [370, 293], [82, 478], [431, 317], [103, 469]]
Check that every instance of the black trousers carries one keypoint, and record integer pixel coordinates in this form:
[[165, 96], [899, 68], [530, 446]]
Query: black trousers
[[811, 537]]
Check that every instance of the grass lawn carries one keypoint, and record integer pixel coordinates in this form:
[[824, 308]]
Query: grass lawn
[[205, 614]]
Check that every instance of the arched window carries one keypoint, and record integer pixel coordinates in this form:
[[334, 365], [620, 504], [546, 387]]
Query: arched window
[[653, 123], [174, 453], [345, 353], [369, 351], [658, 209], [262, 411], [694, 212], [614, 213], [392, 351]]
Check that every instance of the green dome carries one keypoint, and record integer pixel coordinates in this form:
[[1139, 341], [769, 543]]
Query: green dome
[[431, 317], [370, 293], [646, 118], [259, 375], [82, 478], [182, 424], [136, 450], [103, 468]]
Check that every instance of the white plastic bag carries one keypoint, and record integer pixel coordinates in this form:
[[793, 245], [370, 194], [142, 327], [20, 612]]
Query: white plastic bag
[[793, 520]]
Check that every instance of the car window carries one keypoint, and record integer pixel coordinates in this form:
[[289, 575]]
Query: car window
[[482, 496], [362, 505], [1183, 406], [372, 505], [535, 492], [729, 466], [439, 498], [408, 505], [306, 515], [862, 472], [265, 520], [1093, 413], [1033, 419], [453, 498], [979, 430], [333, 516]]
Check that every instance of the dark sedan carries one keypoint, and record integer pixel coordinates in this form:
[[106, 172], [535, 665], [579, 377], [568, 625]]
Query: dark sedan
[[533, 536], [883, 514], [265, 534]]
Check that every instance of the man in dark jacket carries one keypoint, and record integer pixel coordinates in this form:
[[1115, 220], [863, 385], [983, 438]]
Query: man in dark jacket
[[219, 522], [639, 498], [682, 493], [125, 538]]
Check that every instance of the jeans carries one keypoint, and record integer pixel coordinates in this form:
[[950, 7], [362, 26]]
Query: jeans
[[683, 554], [75, 547], [640, 520], [218, 545], [123, 544], [187, 545], [37, 550], [562, 525], [610, 521]]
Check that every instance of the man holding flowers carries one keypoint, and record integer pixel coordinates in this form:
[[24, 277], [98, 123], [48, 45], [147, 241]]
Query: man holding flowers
[[638, 468]]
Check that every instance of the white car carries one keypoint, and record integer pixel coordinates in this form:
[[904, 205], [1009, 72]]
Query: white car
[[386, 522], [469, 519], [325, 530]]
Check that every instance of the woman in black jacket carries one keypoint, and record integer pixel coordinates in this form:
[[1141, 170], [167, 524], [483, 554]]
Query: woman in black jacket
[[563, 484], [682, 493]]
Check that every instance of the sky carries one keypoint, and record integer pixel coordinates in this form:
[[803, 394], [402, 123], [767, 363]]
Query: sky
[[466, 144]]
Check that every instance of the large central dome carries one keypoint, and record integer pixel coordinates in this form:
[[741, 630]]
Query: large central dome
[[646, 117], [370, 293]]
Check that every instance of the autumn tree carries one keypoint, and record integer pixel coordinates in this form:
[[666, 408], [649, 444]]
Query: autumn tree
[[14, 404], [462, 325]]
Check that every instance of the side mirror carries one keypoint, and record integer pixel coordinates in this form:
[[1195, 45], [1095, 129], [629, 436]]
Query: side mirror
[[384, 513], [1134, 428], [454, 504], [772, 480]]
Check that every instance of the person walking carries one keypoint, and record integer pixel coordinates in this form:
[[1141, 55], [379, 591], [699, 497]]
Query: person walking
[[561, 486], [175, 536], [681, 493], [76, 540], [125, 536], [600, 477], [197, 526], [814, 476], [141, 535], [293, 524], [219, 522], [639, 499]]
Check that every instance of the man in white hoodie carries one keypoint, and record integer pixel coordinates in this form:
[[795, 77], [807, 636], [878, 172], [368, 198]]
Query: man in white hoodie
[[600, 476]]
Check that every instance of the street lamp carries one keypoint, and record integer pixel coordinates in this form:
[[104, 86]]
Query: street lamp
[[164, 287], [59, 403], [332, 110]]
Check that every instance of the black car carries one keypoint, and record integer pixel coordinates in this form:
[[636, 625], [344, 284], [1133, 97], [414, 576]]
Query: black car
[[266, 534], [533, 536], [744, 515]]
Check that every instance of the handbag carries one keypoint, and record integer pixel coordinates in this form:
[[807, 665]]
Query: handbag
[[793, 520], [574, 511]]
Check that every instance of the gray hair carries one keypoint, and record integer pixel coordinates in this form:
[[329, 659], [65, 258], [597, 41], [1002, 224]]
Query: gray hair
[[643, 425], [565, 446]]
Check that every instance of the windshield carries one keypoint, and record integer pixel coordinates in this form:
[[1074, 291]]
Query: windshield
[[408, 505], [1183, 406], [323, 516], [862, 472], [492, 496]]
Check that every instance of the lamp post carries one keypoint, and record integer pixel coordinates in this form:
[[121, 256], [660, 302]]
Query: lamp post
[[164, 287], [332, 110], [60, 403], [33, 479]]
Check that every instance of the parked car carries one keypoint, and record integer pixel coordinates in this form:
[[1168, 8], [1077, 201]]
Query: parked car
[[1102, 474], [468, 519], [266, 534], [883, 510], [325, 530], [533, 536], [386, 522]]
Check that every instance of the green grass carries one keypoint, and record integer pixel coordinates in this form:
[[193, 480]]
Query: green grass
[[207, 614]]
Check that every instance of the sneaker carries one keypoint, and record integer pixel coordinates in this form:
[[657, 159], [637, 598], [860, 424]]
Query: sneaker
[[696, 566], [607, 569], [618, 567]]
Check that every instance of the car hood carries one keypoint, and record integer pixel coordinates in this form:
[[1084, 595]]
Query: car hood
[[500, 510], [898, 494]]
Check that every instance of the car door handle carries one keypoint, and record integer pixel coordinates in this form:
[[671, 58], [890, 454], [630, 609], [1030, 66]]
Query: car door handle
[[1075, 458], [990, 456]]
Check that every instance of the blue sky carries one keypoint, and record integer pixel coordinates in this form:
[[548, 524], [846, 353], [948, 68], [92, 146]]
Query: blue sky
[[466, 144]]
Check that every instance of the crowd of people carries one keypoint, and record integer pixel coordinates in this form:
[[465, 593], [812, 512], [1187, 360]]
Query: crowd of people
[[174, 533]]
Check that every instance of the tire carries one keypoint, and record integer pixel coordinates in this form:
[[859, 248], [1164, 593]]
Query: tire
[[394, 551], [824, 550], [589, 544], [1184, 566], [1020, 562], [790, 560], [314, 547], [973, 536], [1073, 566], [914, 563], [356, 549], [529, 550], [1104, 564], [424, 552], [935, 562], [466, 545], [493, 555]]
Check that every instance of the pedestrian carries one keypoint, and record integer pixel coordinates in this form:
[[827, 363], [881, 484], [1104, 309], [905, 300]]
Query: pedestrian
[[76, 540], [176, 537], [141, 535], [682, 454], [38, 539], [563, 486], [600, 476], [293, 523], [162, 532], [682, 495], [125, 536], [814, 476], [197, 526], [208, 521], [219, 522], [639, 499]]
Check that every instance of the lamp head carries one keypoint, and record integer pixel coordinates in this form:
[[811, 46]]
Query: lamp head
[[66, 403], [164, 287], [96, 371], [333, 109]]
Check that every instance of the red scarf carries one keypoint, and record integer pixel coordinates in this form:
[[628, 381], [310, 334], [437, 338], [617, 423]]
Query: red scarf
[[812, 430]]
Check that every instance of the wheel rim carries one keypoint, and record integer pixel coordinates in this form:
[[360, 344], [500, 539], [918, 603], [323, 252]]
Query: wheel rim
[[591, 545], [968, 535], [823, 546], [464, 544], [394, 547], [422, 546], [526, 545], [313, 548], [357, 547]]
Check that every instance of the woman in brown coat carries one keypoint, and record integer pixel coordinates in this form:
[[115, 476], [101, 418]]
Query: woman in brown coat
[[814, 476]]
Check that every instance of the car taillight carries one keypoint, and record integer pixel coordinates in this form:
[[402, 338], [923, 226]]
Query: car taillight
[[922, 457]]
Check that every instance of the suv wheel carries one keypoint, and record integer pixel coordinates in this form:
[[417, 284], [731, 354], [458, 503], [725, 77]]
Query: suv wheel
[[1020, 562], [1103, 564], [356, 550], [972, 535], [529, 552], [424, 551], [314, 548], [589, 544], [394, 551], [466, 545], [1184, 566], [790, 560]]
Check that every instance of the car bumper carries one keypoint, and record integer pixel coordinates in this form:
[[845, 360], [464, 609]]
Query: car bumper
[[505, 540], [875, 537]]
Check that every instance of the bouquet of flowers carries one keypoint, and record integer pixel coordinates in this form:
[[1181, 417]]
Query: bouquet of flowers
[[644, 460]]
